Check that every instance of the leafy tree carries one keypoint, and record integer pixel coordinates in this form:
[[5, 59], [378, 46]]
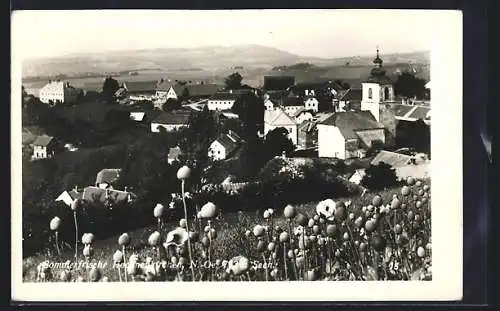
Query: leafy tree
[[185, 94], [379, 177], [171, 104], [408, 85], [250, 110], [109, 88], [233, 81], [277, 142]]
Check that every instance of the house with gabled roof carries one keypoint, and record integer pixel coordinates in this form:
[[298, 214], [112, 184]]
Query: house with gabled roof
[[224, 146], [170, 121], [68, 197], [291, 104], [279, 118], [107, 197], [44, 147], [107, 177], [222, 100], [349, 134]]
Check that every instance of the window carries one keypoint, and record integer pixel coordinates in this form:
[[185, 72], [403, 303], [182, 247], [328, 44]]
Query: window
[[370, 93], [386, 93]]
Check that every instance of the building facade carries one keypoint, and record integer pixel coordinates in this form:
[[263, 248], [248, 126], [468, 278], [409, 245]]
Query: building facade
[[58, 92]]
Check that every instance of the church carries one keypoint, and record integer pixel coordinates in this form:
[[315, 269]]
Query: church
[[350, 134]]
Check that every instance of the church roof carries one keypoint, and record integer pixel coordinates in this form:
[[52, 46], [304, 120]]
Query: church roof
[[350, 122]]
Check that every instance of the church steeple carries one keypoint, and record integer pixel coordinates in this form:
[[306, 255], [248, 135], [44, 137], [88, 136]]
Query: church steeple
[[378, 71]]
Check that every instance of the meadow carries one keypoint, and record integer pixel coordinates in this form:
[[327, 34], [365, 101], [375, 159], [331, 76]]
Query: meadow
[[374, 236]]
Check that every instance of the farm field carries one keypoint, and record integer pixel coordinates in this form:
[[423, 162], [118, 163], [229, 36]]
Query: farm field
[[376, 236]]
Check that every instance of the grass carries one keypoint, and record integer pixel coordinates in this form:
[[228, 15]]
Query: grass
[[230, 241]]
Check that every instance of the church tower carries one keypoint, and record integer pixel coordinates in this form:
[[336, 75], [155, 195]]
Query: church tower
[[377, 89]]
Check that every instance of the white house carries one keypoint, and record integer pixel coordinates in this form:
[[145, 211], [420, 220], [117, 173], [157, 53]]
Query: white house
[[222, 101], [137, 116], [58, 92], [311, 103], [68, 197], [170, 121], [349, 134], [224, 146], [292, 104], [43, 147], [165, 90], [279, 118]]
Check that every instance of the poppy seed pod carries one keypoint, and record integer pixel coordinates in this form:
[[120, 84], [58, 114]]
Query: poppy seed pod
[[87, 251], [118, 257], [378, 243], [315, 229], [410, 215], [55, 223], [370, 226], [258, 230], [341, 212], [261, 246], [331, 230], [316, 218], [208, 210], [395, 203], [198, 215], [421, 252], [405, 190], [362, 246], [310, 223], [283, 236], [87, 238], [158, 210], [377, 201], [301, 219], [271, 246], [322, 221], [247, 233], [94, 274], [346, 236], [124, 239], [398, 229], [266, 214], [410, 181], [418, 204], [418, 183], [290, 254], [154, 238], [312, 238], [182, 223], [205, 241], [426, 188], [174, 260], [289, 211], [75, 204], [183, 173], [358, 223]]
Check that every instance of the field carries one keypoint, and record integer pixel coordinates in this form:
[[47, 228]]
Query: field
[[376, 236]]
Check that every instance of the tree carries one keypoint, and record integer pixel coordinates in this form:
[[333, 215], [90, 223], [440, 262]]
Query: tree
[[109, 88], [185, 95], [379, 177], [233, 81], [171, 104], [277, 142], [250, 110], [408, 85]]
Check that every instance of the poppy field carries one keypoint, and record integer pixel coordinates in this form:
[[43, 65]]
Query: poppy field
[[375, 236]]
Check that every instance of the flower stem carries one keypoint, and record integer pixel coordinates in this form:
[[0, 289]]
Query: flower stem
[[265, 266], [125, 263], [284, 260], [57, 243], [187, 228], [76, 237]]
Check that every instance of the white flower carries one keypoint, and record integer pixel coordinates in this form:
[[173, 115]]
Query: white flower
[[298, 230]]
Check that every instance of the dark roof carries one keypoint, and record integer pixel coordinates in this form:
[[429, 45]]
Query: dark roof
[[140, 86], [278, 82], [293, 101], [174, 117], [380, 79], [229, 142], [420, 113], [352, 95], [202, 89], [96, 194], [107, 175], [391, 158], [224, 96], [401, 110], [350, 121], [307, 126], [43, 140]]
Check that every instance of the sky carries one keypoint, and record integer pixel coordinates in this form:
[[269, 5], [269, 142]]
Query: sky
[[317, 33]]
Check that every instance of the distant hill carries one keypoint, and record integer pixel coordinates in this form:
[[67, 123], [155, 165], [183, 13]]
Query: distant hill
[[206, 58]]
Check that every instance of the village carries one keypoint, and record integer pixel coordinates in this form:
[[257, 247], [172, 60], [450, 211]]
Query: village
[[282, 142]]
